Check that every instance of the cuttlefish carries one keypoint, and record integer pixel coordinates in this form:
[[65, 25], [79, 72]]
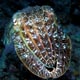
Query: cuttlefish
[[40, 42]]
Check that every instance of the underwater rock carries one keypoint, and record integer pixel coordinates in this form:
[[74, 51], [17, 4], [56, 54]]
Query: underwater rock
[[40, 42]]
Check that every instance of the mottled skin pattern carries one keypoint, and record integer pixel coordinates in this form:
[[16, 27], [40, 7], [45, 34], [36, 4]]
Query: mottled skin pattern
[[40, 43]]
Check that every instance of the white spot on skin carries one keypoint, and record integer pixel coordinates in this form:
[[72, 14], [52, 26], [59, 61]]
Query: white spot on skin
[[34, 36], [19, 46], [57, 45], [27, 39], [57, 55], [15, 21], [29, 22], [19, 22], [55, 34], [31, 30], [34, 64], [64, 57], [35, 51], [18, 37], [23, 31], [39, 44], [24, 55], [49, 34], [36, 19], [64, 46], [43, 51], [48, 27], [63, 37], [29, 42], [46, 19], [57, 68], [58, 63]]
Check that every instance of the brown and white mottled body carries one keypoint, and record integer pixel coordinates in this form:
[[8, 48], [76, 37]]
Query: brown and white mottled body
[[40, 43]]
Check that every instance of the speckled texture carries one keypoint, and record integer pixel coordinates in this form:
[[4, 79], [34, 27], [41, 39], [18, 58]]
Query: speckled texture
[[40, 42], [11, 68]]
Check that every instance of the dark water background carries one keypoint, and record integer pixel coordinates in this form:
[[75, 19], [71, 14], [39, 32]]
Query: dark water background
[[68, 13]]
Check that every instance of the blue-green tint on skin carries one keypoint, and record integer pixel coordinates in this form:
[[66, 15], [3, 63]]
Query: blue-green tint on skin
[[40, 43]]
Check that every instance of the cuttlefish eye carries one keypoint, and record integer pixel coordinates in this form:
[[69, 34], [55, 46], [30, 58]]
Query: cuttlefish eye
[[40, 43]]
